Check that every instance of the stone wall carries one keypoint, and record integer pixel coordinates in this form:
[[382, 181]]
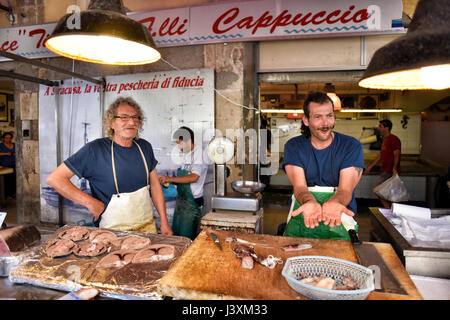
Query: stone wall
[[234, 76]]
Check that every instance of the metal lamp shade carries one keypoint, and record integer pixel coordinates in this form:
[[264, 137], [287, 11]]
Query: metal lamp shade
[[106, 37], [418, 60]]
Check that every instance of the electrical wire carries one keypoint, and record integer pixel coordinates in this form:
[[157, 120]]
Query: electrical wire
[[226, 98]]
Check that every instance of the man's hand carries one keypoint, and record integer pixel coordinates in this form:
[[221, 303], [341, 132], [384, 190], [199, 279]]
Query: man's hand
[[332, 211], [394, 172], [312, 213], [373, 164], [96, 207], [166, 230], [164, 179]]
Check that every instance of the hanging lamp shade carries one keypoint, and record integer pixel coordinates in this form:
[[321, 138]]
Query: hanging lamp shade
[[418, 60], [104, 35]]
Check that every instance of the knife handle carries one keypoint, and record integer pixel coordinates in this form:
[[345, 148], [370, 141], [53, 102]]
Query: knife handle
[[354, 237]]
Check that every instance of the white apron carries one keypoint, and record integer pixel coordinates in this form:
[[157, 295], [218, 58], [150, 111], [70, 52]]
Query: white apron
[[130, 211]]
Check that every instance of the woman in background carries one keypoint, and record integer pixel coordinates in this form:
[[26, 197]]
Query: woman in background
[[8, 159]]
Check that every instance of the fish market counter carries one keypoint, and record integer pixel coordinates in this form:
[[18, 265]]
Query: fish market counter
[[126, 267], [204, 271], [199, 270], [420, 260], [11, 291]]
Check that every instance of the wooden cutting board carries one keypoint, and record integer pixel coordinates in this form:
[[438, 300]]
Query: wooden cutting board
[[206, 272]]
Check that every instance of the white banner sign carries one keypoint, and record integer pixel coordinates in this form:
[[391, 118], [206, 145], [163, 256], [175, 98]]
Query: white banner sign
[[169, 100], [252, 20]]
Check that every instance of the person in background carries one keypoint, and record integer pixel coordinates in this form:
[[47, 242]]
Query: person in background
[[190, 179], [328, 161], [121, 173], [389, 156], [8, 159]]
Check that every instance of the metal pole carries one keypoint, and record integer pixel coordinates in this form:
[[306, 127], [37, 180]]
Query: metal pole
[[10, 74], [47, 66], [58, 153], [257, 120], [102, 105]]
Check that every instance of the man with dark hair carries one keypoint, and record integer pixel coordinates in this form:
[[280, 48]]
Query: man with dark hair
[[321, 162], [121, 170], [190, 179], [389, 156]]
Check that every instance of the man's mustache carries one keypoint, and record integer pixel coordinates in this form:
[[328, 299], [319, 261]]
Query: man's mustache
[[327, 128]]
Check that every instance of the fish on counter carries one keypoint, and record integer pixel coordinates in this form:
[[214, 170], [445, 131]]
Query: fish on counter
[[132, 242], [82, 294], [57, 248], [4, 249], [104, 236], [248, 256], [296, 247], [89, 249], [76, 233], [116, 259], [324, 282], [156, 252], [18, 238]]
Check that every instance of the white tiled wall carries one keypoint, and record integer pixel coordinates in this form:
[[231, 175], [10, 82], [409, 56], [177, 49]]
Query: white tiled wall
[[409, 136], [354, 127]]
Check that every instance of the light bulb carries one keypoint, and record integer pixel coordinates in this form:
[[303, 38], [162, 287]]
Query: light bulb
[[436, 77]]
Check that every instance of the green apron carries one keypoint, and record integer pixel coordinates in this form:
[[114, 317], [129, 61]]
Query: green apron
[[187, 214], [296, 226]]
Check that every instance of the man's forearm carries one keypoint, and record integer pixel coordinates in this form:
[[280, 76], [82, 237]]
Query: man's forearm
[[375, 162], [303, 195], [342, 196], [69, 191], [396, 159], [160, 204], [190, 178]]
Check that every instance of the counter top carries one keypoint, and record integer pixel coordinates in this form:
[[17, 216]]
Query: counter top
[[203, 271], [411, 168], [422, 261]]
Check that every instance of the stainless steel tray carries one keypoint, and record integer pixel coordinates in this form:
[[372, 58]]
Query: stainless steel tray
[[72, 273], [247, 186], [422, 261]]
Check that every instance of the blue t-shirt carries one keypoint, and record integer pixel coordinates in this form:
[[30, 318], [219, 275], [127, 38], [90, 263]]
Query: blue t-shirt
[[8, 161], [347, 152], [93, 162]]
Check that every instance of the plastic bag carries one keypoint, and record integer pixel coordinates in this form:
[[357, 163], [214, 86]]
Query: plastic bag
[[393, 189], [170, 193]]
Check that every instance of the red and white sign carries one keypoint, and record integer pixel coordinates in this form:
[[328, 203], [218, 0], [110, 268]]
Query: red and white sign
[[27, 41], [252, 20]]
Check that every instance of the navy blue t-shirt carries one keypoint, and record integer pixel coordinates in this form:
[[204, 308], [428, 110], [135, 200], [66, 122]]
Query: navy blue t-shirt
[[8, 161], [93, 162], [347, 152]]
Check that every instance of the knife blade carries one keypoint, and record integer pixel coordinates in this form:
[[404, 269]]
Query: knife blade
[[368, 256], [216, 240]]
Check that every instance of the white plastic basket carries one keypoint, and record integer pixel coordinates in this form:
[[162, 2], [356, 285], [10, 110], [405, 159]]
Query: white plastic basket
[[330, 267]]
